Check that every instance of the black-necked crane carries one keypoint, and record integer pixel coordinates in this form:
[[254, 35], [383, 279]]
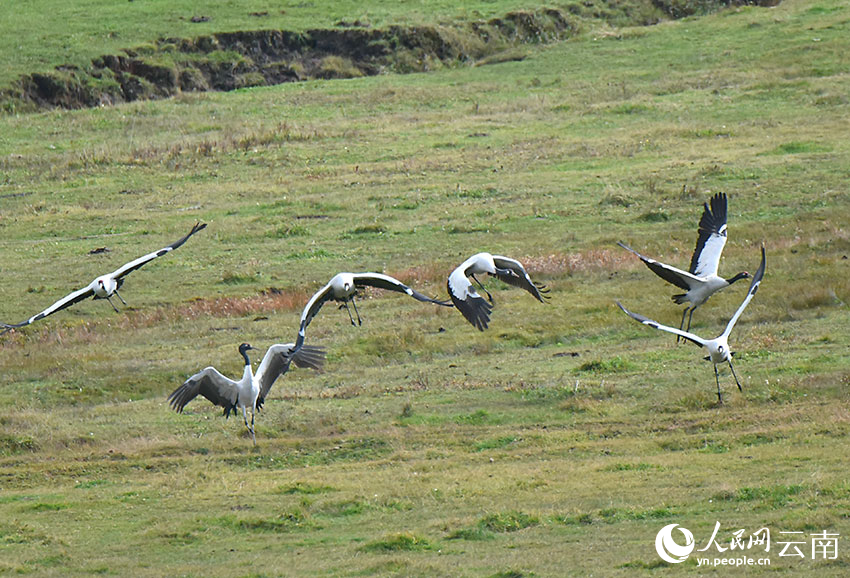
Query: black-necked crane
[[343, 288], [701, 280], [470, 303], [249, 392], [104, 286], [718, 348]]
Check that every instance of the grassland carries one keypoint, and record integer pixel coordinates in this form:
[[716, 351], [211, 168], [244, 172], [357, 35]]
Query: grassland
[[558, 442]]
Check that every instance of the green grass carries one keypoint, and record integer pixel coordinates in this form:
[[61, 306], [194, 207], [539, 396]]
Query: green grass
[[565, 436], [49, 34]]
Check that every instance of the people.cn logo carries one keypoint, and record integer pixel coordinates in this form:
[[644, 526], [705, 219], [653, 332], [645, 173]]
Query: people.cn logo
[[668, 549]]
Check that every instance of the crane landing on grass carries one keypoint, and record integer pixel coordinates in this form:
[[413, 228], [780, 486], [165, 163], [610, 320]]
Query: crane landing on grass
[[718, 348], [701, 281], [249, 392]]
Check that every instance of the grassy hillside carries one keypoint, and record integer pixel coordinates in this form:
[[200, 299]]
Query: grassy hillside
[[42, 34], [564, 437]]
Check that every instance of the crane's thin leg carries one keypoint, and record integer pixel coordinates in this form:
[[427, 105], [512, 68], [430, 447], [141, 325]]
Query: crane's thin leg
[[119, 296], [249, 427], [489, 297], [253, 437], [736, 377], [691, 316], [113, 305], [354, 304], [717, 379], [682, 324], [350, 317]]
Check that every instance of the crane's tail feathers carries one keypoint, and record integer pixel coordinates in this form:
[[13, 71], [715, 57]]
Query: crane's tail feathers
[[309, 356], [679, 299]]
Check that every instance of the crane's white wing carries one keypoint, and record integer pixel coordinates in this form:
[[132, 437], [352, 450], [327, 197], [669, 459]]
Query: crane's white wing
[[311, 309], [518, 276], [711, 239], [466, 299], [66, 301], [135, 264], [211, 384], [277, 360], [674, 276], [647, 321], [754, 286]]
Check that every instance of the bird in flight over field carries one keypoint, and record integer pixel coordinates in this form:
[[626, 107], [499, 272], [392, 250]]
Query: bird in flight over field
[[104, 286], [470, 303], [343, 288]]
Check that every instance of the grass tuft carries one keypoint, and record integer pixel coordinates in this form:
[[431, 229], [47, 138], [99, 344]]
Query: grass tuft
[[404, 542]]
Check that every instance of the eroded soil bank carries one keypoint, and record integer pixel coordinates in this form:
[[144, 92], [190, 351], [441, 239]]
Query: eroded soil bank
[[227, 61]]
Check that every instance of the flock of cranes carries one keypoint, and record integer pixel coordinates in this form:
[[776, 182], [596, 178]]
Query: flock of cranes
[[700, 282]]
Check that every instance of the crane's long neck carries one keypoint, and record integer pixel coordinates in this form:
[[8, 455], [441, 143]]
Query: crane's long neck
[[248, 373], [738, 277]]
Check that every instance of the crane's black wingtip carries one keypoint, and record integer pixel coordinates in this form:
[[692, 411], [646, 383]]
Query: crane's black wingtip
[[7, 327]]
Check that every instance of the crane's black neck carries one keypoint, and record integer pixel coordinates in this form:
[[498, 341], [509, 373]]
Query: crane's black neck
[[243, 351], [738, 277]]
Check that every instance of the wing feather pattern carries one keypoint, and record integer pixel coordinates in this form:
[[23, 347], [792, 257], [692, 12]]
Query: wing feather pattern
[[674, 276], [466, 299], [66, 301], [137, 263], [518, 277], [711, 237], [382, 281], [754, 286], [277, 360], [647, 321], [211, 384]]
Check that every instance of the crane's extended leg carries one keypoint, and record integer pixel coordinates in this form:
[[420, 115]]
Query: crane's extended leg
[[736, 377], [350, 317], [113, 305], [690, 317], [717, 379], [354, 304], [489, 297], [682, 324], [119, 296], [253, 436], [249, 427]]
